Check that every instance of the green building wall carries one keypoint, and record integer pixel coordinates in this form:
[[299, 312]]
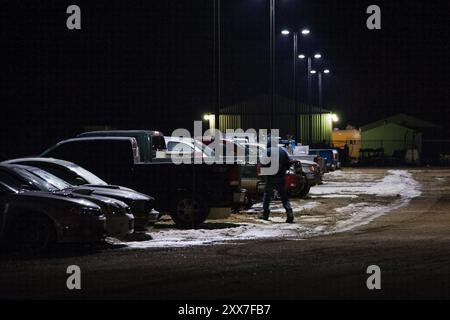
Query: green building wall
[[391, 137]]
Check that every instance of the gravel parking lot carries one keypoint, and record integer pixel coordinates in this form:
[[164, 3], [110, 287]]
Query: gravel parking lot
[[397, 219]]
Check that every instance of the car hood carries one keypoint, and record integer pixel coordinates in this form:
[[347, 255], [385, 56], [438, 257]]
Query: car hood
[[308, 163], [126, 196], [119, 191], [57, 197], [107, 204]]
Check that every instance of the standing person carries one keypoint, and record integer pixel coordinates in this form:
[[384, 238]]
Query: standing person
[[276, 181]]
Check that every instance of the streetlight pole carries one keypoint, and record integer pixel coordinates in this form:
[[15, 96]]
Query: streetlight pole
[[272, 62], [295, 85], [310, 111], [294, 73], [310, 108], [217, 63], [320, 91], [320, 103]]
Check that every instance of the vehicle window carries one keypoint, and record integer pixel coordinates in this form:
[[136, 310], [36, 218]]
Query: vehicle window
[[158, 143], [56, 182], [33, 181], [209, 152], [5, 189], [86, 175], [179, 147], [10, 180], [64, 174]]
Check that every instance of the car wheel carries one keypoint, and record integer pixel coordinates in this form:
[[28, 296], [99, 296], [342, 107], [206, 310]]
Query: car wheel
[[248, 202], [189, 212], [304, 191], [32, 233]]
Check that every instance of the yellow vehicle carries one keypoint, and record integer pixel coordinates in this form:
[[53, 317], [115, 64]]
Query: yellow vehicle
[[350, 138]]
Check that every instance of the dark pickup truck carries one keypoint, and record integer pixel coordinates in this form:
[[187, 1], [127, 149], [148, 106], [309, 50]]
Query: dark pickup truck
[[187, 192]]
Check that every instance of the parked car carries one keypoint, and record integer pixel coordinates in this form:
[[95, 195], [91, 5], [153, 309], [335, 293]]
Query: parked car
[[141, 205], [119, 220], [331, 157], [186, 191], [187, 147], [313, 158], [35, 220]]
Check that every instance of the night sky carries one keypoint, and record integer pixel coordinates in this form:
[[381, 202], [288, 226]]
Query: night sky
[[149, 64]]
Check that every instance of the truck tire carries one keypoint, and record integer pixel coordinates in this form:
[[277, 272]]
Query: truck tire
[[305, 191], [189, 212], [32, 233], [301, 192]]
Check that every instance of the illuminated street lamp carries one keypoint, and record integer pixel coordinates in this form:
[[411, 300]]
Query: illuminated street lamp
[[311, 72], [320, 74], [286, 32]]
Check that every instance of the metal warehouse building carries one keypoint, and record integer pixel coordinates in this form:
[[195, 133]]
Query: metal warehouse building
[[255, 114]]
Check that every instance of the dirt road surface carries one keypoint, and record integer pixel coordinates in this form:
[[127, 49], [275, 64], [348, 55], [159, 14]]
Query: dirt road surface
[[321, 257]]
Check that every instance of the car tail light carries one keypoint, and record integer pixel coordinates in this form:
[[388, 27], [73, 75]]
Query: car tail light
[[291, 181], [258, 169], [234, 176]]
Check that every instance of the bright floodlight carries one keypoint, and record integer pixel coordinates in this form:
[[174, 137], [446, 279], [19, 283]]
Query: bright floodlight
[[206, 117], [334, 117], [317, 56], [326, 71], [301, 56], [306, 31], [285, 32], [313, 71]]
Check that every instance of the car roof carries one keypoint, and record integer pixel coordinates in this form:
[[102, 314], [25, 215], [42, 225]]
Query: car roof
[[39, 159], [129, 132], [13, 166], [180, 139], [97, 139]]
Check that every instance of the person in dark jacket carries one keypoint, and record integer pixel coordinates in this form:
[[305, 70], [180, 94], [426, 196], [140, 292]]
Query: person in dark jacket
[[276, 181]]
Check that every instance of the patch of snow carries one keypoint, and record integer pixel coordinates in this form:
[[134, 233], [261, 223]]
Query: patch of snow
[[278, 208], [332, 196], [395, 183]]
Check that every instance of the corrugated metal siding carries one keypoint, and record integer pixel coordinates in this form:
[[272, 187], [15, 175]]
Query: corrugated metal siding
[[230, 122], [322, 125], [255, 114]]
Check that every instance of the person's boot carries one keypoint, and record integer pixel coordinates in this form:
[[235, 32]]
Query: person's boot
[[264, 216], [290, 217]]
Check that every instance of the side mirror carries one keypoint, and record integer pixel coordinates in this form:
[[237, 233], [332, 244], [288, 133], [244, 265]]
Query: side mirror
[[79, 181]]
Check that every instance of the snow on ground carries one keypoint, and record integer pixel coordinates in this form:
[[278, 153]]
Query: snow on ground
[[334, 207], [397, 182]]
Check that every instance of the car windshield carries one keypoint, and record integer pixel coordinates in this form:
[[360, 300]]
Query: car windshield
[[87, 175], [36, 181], [54, 182]]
